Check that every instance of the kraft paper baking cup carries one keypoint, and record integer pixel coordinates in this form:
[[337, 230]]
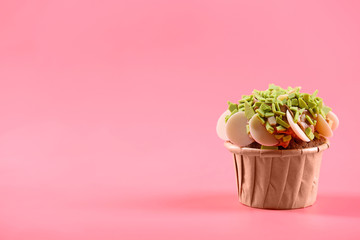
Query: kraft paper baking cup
[[277, 179]]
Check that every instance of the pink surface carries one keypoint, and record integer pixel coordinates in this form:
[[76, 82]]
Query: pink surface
[[108, 113]]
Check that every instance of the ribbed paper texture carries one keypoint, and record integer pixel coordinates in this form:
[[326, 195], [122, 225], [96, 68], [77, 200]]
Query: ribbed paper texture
[[277, 179]]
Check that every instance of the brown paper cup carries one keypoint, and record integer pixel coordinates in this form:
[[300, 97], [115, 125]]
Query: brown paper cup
[[277, 179]]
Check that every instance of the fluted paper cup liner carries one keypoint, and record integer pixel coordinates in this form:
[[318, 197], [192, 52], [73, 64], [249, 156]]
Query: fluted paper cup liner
[[277, 179]]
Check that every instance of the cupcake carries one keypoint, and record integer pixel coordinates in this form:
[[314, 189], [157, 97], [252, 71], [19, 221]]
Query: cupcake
[[277, 137]]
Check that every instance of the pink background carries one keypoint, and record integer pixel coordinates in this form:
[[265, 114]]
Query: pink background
[[108, 114]]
